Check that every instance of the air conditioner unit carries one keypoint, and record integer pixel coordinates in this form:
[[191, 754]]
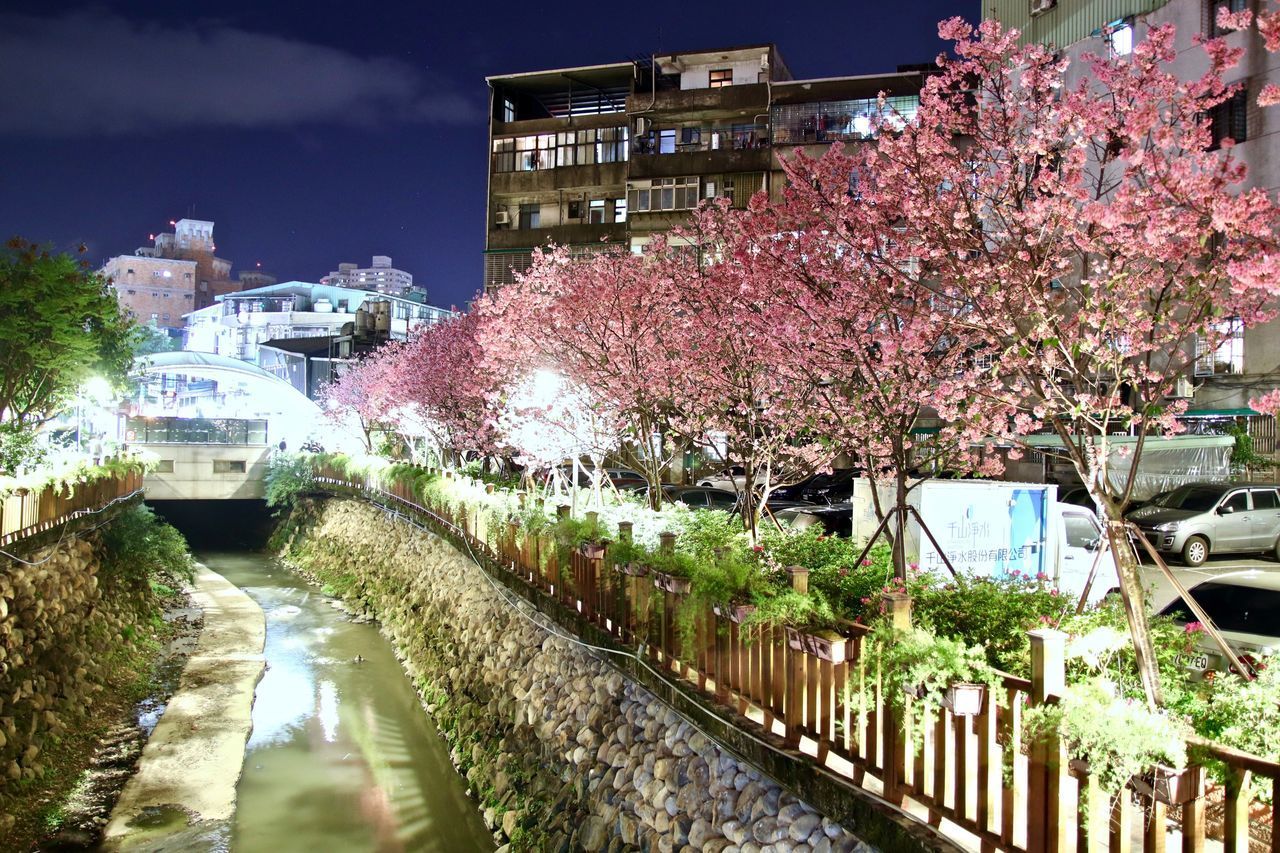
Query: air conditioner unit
[[502, 217], [1039, 7], [1183, 388], [642, 125]]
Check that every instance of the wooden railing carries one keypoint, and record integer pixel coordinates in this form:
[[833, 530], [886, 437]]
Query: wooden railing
[[969, 776], [25, 513]]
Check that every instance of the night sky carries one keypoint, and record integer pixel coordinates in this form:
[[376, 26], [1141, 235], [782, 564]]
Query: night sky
[[320, 132]]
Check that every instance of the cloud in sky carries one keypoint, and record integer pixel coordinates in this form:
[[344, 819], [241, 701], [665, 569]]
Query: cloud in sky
[[95, 72]]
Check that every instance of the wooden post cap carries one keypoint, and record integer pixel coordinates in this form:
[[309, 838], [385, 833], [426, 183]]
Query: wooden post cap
[[799, 578]]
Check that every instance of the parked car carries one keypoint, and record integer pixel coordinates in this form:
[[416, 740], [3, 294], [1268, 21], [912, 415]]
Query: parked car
[[1199, 519], [732, 479], [835, 487], [621, 478], [1245, 605], [702, 497], [834, 519]]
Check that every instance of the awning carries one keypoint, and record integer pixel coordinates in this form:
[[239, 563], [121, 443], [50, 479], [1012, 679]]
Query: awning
[[1220, 413]]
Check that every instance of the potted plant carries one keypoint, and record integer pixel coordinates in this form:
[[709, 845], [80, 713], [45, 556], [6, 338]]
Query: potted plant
[[937, 671], [1119, 739], [806, 617], [672, 572], [629, 558]]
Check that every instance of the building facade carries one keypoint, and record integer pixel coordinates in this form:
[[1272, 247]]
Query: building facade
[[380, 276], [180, 273], [1223, 380], [238, 323], [153, 290], [609, 155]]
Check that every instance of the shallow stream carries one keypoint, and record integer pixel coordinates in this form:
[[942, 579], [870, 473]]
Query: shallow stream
[[342, 756]]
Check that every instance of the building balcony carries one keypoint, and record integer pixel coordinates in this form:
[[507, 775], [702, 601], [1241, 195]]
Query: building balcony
[[561, 235], [564, 177], [700, 162], [728, 102]]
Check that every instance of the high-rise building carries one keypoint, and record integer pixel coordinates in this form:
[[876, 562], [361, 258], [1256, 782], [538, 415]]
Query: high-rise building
[[179, 273], [609, 155], [379, 276]]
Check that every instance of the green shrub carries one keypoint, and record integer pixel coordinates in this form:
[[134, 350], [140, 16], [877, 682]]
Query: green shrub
[[289, 476], [136, 547]]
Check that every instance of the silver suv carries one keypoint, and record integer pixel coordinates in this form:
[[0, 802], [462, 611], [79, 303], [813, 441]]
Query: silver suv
[[1200, 519]]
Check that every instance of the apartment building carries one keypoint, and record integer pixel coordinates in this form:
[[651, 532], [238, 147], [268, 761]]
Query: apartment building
[[380, 276], [1222, 380], [609, 155], [178, 274]]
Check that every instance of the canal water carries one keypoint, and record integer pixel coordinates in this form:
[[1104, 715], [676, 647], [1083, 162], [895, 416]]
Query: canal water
[[342, 756]]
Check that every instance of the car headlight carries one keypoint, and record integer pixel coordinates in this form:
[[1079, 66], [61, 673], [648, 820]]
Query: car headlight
[[1167, 526]]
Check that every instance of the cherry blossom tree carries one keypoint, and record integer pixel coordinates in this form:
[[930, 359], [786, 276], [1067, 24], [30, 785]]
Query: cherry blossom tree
[[731, 397], [363, 394], [1092, 238], [605, 322], [440, 374], [886, 359]]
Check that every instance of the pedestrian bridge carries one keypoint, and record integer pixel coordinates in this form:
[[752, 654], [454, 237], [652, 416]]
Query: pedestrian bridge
[[214, 422]]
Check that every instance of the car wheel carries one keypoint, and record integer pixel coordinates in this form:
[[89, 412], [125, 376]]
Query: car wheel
[[1275, 550], [1195, 551]]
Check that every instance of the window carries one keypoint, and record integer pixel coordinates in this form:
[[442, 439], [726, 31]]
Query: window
[[662, 194], [508, 109], [1120, 38], [575, 210], [1237, 502], [1211, 9], [595, 212], [1227, 358], [228, 466], [846, 121], [1228, 120], [551, 150], [530, 216], [667, 141], [721, 77], [1081, 532], [164, 466], [1265, 499], [1245, 609], [619, 210]]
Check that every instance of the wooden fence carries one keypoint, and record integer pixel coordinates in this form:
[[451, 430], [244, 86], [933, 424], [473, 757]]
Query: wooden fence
[[969, 776], [25, 513]]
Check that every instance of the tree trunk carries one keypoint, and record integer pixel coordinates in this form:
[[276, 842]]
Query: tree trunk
[[1135, 609], [899, 525]]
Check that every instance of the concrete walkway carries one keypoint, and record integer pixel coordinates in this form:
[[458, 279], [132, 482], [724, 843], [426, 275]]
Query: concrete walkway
[[192, 762]]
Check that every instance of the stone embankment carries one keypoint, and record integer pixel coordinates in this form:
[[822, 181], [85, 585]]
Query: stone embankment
[[64, 633], [560, 749]]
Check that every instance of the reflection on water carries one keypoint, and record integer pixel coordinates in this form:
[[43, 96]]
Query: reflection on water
[[342, 757]]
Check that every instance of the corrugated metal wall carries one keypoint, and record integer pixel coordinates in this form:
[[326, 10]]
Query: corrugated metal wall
[[1068, 22]]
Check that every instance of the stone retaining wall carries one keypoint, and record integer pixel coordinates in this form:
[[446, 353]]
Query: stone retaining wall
[[60, 627], [560, 749]]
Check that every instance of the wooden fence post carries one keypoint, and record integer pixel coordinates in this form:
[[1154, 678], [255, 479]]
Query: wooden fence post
[[897, 606], [797, 671], [1047, 819]]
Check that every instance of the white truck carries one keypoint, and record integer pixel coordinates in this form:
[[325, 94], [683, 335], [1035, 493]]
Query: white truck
[[991, 528]]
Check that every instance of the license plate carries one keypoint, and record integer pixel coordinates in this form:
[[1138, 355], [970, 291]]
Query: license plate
[[1198, 661]]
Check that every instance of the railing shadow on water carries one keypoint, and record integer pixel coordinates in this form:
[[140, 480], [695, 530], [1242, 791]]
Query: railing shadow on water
[[969, 776]]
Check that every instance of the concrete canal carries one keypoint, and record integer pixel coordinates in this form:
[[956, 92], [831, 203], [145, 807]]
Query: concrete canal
[[342, 755]]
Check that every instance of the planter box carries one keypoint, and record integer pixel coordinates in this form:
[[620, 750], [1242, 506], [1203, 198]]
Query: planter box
[[592, 551], [965, 700], [635, 570], [735, 612], [1165, 785], [827, 645], [671, 583]]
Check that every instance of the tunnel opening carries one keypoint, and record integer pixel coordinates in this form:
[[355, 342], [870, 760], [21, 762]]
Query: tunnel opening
[[219, 525]]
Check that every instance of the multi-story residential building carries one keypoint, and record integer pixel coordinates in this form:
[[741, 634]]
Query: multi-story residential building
[[153, 290], [609, 155], [178, 274], [1223, 380], [380, 276], [238, 322]]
